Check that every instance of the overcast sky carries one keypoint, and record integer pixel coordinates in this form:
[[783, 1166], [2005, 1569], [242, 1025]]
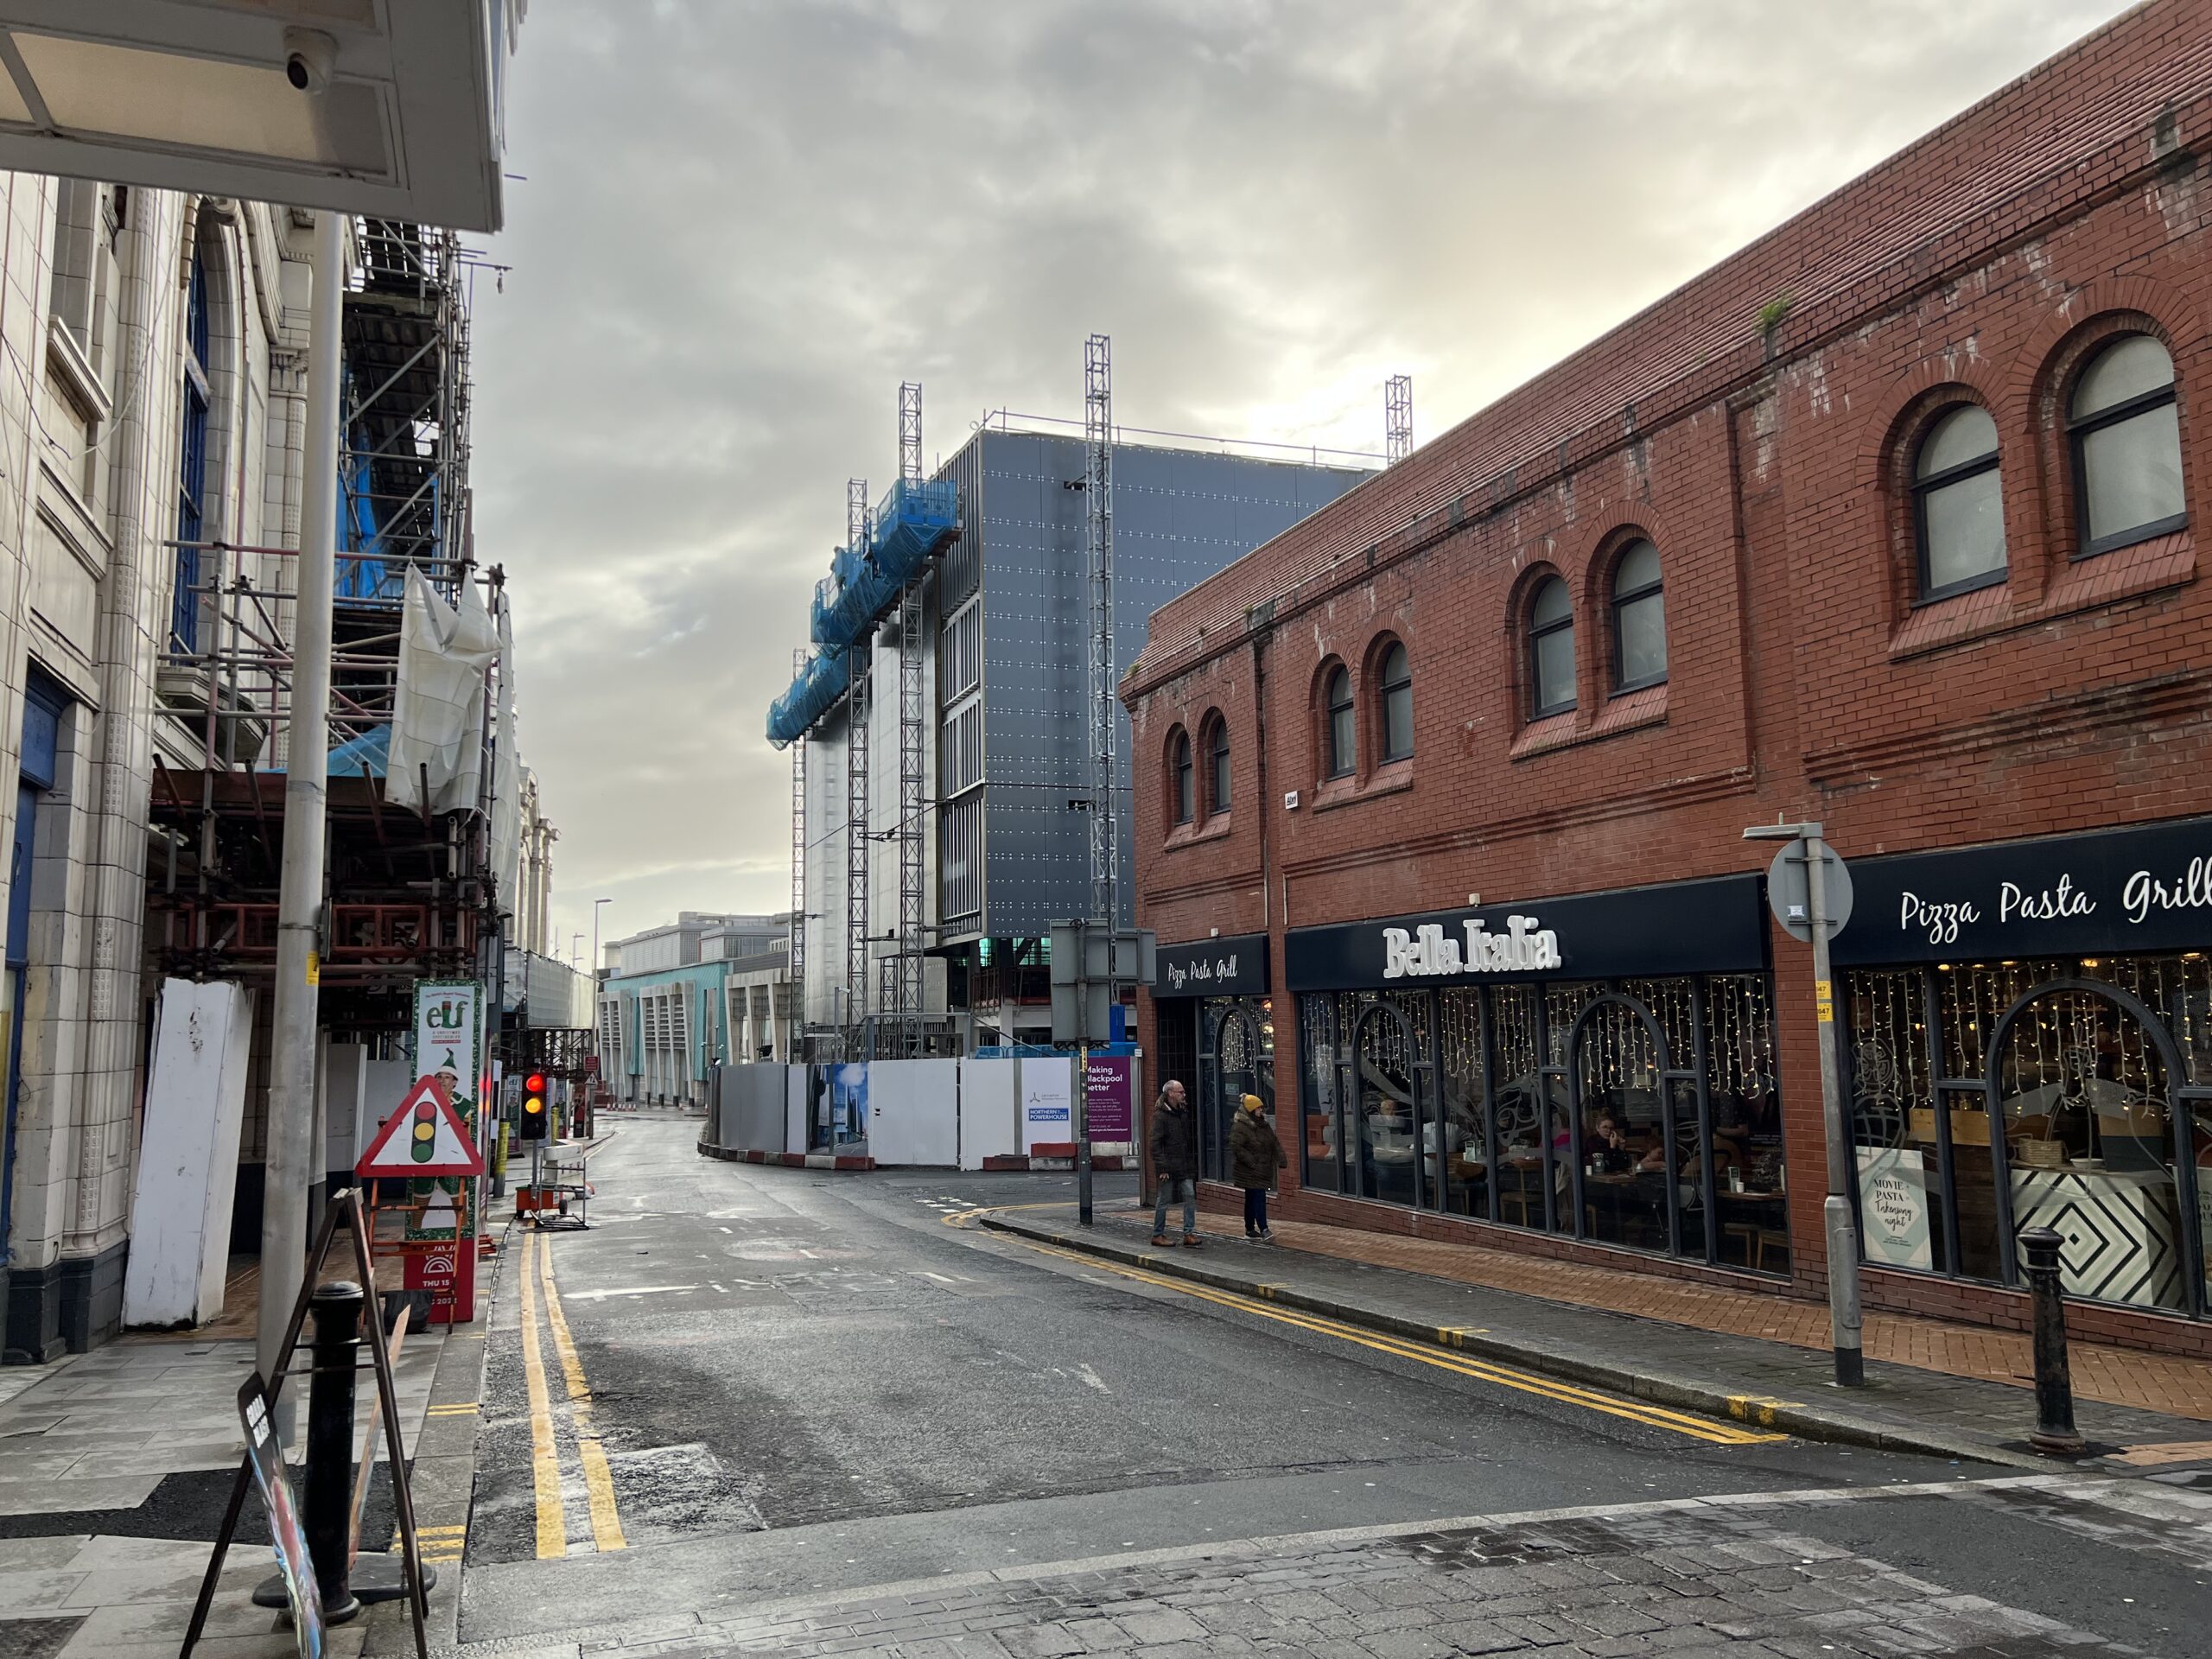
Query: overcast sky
[[746, 221]]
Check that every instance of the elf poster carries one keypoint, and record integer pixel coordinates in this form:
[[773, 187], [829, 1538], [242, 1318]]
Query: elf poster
[[449, 1045]]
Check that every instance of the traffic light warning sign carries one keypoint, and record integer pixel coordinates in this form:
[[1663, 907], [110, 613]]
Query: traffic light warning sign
[[425, 1136]]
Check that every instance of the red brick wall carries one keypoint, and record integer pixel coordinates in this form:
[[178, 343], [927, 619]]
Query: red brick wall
[[1983, 264]]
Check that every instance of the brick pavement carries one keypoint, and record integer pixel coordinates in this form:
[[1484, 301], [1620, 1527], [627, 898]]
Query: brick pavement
[[2166, 1383], [1683, 1578]]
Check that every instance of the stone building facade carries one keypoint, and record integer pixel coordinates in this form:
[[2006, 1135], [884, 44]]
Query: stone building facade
[[156, 346]]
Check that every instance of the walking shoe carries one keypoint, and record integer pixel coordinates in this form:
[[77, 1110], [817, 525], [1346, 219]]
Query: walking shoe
[[1253, 1232], [1191, 1240], [1267, 1235], [1161, 1240]]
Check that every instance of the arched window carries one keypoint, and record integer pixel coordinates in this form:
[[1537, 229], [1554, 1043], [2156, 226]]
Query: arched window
[[1343, 755], [2127, 433], [192, 461], [1397, 704], [1217, 768], [1551, 650], [1639, 620], [1957, 508], [1185, 792]]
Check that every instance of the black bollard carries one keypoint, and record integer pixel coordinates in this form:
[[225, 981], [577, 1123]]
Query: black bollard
[[327, 1495], [2054, 1433]]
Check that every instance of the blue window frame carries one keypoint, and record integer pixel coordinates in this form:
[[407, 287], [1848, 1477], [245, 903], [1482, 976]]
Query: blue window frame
[[191, 463]]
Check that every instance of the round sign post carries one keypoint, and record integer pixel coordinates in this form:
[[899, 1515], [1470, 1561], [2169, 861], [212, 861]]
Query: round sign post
[[1789, 890], [1809, 889]]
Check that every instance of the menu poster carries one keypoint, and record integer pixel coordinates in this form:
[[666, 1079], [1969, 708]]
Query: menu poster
[[1893, 1206]]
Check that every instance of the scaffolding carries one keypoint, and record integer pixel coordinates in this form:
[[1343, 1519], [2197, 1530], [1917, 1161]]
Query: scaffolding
[[914, 807], [1397, 418], [797, 1005], [1098, 545], [419, 897], [861, 651]]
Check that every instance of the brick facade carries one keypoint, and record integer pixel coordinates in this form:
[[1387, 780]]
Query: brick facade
[[1758, 426]]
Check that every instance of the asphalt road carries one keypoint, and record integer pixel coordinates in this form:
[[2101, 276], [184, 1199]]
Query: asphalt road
[[754, 1384]]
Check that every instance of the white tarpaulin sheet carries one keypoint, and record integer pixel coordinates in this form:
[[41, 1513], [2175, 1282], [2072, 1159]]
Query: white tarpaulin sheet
[[437, 724]]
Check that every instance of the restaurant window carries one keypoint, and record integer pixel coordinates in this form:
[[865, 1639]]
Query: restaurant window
[[1958, 509], [1642, 1113], [1987, 1097], [1343, 755], [1397, 704], [1551, 650], [2125, 433], [1639, 620], [1237, 1057], [1217, 767], [1185, 787]]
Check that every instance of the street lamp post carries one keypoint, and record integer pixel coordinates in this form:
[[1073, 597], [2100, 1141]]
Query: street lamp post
[[1841, 1228]]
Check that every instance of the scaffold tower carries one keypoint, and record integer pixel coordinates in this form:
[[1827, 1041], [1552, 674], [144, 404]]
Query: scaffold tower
[[1098, 545], [1397, 418], [856, 802], [913, 736], [796, 1007]]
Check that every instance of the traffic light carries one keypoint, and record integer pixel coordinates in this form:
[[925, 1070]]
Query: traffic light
[[535, 1125]]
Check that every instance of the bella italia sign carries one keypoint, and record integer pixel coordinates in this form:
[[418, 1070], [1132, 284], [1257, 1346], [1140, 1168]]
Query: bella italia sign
[[1428, 951], [1713, 926], [2114, 891]]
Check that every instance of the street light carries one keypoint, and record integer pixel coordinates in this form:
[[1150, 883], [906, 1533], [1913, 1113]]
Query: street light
[[1842, 1230]]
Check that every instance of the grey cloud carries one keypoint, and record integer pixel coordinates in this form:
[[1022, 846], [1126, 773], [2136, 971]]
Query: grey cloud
[[745, 222]]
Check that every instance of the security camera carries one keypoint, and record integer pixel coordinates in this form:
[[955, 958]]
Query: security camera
[[310, 60]]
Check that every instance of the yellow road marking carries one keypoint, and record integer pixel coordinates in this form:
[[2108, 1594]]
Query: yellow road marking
[[1756, 1408], [1718, 1434], [544, 1461], [465, 1409], [598, 1483]]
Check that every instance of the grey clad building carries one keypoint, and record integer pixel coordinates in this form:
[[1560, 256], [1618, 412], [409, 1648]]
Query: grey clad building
[[1006, 829]]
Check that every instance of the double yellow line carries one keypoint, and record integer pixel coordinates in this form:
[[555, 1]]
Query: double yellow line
[[1505, 1377], [544, 1445]]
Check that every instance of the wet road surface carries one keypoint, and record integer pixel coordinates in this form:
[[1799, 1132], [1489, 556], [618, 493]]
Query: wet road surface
[[744, 1384]]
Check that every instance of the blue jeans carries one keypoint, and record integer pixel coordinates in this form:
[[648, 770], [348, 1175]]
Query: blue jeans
[[1175, 1186]]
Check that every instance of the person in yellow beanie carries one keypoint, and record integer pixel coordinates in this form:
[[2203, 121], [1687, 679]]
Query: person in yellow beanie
[[1255, 1155]]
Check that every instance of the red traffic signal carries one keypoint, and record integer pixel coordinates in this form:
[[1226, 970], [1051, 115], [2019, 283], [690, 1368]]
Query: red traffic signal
[[534, 1125]]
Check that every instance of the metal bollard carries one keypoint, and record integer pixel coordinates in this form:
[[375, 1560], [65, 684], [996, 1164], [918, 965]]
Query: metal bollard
[[327, 1504], [2054, 1433], [326, 1490]]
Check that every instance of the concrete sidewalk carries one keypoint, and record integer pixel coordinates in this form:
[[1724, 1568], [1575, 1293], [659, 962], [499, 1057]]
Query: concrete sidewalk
[[116, 1465], [1697, 1364]]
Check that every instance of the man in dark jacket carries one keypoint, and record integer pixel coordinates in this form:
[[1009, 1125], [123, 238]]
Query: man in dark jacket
[[1174, 1145]]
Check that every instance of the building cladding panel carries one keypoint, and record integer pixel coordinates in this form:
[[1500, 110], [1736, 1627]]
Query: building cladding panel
[[1179, 516], [1759, 426]]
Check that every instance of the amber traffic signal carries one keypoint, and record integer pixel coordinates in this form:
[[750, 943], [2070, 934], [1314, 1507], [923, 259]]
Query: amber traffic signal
[[534, 1125]]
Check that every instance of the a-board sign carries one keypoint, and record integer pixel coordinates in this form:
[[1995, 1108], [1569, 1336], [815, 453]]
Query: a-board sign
[[425, 1136], [266, 1454]]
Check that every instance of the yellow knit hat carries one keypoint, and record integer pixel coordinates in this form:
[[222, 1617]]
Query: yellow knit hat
[[1254, 1105]]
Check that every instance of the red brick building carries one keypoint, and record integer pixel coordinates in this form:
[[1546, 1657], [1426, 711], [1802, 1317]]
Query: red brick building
[[1886, 521]]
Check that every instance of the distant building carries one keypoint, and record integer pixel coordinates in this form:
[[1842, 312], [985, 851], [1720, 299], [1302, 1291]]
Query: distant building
[[673, 1002], [1006, 754]]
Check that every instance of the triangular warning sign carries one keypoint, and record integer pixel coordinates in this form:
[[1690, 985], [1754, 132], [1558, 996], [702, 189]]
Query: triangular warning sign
[[425, 1136]]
